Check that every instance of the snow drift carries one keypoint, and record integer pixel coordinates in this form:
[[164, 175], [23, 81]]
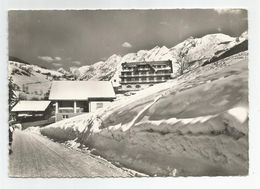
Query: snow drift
[[192, 126]]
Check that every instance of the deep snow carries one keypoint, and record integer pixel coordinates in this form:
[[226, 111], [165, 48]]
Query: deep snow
[[194, 125]]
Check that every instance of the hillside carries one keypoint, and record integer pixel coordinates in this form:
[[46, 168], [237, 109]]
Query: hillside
[[31, 81], [194, 125]]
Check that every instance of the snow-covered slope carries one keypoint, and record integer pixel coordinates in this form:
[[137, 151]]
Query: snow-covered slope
[[194, 125], [32, 82], [103, 70]]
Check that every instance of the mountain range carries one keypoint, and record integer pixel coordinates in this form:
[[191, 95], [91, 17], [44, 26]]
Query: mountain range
[[199, 51]]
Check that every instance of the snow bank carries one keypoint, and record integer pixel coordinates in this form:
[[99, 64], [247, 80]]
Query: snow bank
[[195, 126]]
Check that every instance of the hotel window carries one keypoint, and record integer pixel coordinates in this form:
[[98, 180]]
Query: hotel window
[[99, 105], [65, 116], [143, 79], [151, 78]]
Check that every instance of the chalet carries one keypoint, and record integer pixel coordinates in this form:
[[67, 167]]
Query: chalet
[[72, 98], [139, 75], [33, 113]]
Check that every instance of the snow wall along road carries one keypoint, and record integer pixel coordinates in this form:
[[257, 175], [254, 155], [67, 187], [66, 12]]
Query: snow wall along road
[[182, 128]]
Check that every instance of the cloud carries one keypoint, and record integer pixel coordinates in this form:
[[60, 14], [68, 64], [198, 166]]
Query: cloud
[[76, 63], [58, 58], [104, 58], [228, 11], [46, 58], [49, 58], [164, 23], [219, 29], [57, 64], [126, 45]]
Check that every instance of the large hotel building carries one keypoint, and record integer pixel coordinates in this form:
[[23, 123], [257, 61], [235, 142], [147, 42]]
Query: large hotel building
[[139, 75]]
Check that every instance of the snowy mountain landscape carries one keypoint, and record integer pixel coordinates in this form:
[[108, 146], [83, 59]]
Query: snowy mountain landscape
[[199, 51]]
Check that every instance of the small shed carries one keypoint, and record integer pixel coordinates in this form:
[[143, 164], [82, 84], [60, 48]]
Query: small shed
[[32, 110]]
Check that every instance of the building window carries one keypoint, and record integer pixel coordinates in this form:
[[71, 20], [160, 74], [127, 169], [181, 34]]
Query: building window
[[128, 86], [99, 105], [137, 86], [143, 79], [151, 78], [159, 78], [65, 116]]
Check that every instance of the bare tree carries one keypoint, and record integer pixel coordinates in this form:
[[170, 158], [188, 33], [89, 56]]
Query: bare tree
[[182, 55]]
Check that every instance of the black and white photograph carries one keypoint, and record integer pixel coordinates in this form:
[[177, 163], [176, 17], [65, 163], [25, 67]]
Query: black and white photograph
[[119, 93]]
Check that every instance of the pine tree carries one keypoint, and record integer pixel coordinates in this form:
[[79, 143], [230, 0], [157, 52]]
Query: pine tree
[[12, 96]]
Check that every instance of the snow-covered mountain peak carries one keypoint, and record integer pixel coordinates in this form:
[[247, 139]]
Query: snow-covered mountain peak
[[244, 35], [62, 70]]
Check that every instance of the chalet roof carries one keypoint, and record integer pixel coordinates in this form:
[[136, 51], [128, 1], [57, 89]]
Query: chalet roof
[[31, 106], [81, 90]]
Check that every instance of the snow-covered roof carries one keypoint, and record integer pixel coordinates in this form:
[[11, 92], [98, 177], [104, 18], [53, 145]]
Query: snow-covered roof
[[81, 90], [31, 106], [147, 62]]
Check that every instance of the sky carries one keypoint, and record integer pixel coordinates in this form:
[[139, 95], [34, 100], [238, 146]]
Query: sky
[[66, 38]]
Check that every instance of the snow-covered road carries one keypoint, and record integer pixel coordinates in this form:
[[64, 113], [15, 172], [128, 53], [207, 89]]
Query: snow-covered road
[[36, 156]]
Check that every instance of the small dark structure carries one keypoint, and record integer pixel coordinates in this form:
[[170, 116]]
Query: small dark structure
[[33, 113]]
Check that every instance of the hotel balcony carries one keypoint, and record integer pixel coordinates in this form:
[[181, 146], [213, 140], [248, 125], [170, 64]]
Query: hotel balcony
[[146, 69], [69, 110], [143, 81], [145, 75]]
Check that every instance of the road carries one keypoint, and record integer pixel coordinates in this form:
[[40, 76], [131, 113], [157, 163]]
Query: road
[[37, 156]]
